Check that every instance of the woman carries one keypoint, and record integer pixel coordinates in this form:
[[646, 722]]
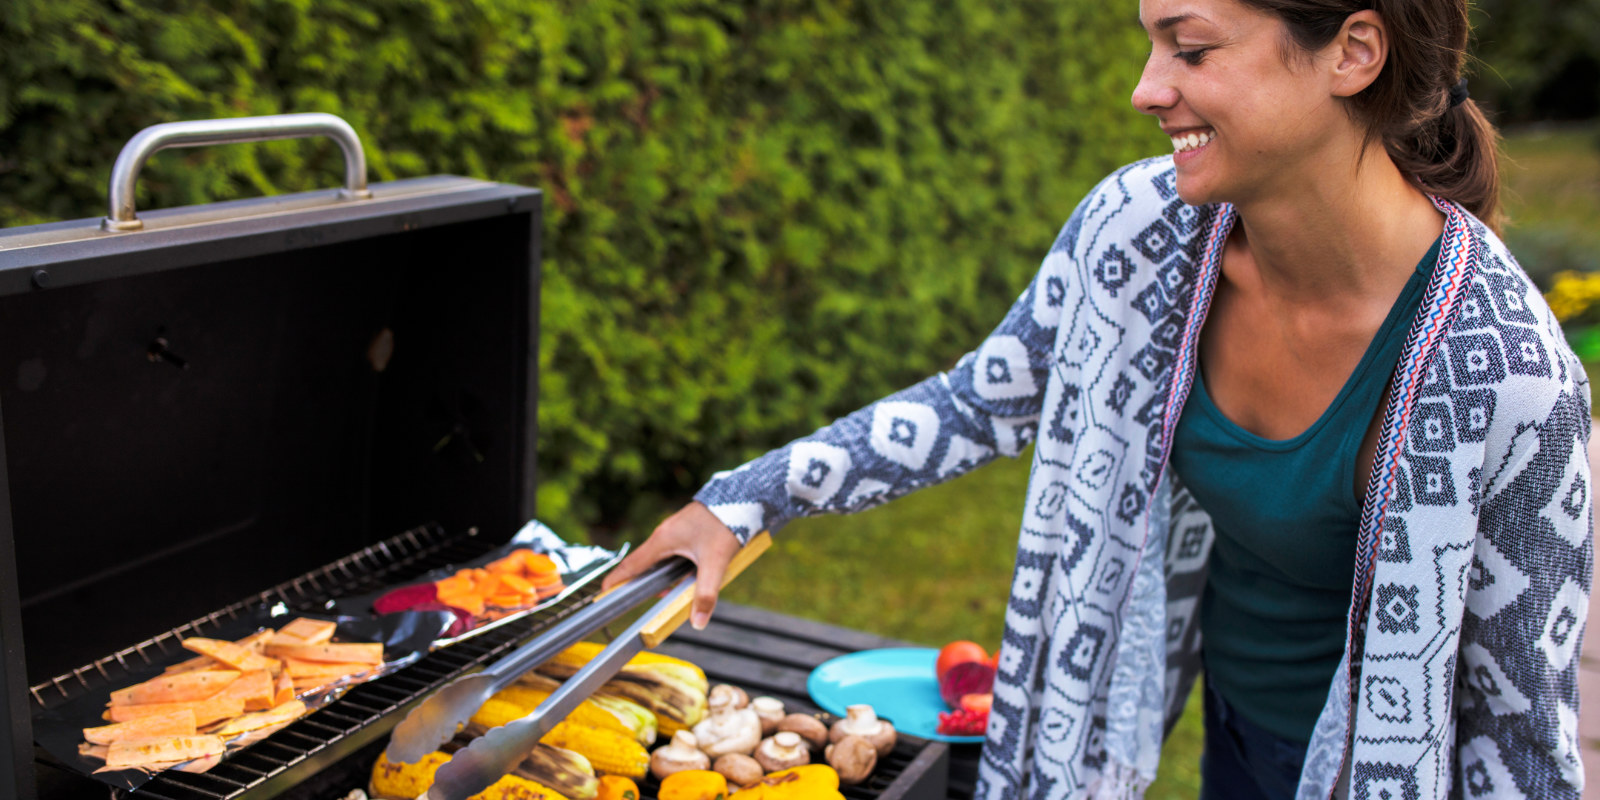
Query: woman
[[1220, 351]]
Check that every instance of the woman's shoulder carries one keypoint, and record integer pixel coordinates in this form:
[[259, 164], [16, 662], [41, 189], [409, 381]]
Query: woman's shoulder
[[1144, 184], [1503, 336], [1135, 213]]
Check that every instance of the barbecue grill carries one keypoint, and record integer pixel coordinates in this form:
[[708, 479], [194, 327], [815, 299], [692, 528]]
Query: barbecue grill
[[201, 403]]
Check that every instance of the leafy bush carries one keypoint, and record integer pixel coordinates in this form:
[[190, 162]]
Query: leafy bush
[[760, 214]]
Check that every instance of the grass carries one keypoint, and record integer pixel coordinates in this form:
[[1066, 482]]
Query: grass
[[936, 566]]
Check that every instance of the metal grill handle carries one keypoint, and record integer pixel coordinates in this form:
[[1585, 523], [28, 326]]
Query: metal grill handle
[[199, 133]]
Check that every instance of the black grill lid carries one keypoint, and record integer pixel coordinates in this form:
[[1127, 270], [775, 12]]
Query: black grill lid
[[242, 391]]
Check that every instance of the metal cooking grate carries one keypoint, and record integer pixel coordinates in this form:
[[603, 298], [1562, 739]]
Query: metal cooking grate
[[356, 719]]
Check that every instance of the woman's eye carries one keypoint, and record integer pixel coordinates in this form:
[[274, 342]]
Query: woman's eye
[[1192, 57]]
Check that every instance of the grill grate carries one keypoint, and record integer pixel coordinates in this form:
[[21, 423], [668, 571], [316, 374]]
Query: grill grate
[[358, 718]]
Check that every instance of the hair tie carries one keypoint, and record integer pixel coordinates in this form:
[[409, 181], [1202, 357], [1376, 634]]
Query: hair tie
[[1458, 93]]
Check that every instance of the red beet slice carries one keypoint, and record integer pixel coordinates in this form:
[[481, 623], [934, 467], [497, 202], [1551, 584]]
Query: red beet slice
[[406, 598], [971, 677]]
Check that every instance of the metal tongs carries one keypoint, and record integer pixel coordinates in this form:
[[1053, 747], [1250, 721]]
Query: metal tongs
[[489, 757]]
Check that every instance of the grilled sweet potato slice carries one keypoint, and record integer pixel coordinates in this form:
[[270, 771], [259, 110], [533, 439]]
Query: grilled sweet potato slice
[[172, 723], [283, 692], [206, 712], [179, 688], [263, 719], [352, 653], [158, 749], [295, 668], [256, 688], [310, 631], [235, 656]]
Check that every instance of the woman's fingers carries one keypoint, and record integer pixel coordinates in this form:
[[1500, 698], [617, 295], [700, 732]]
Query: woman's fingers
[[642, 558], [716, 550], [696, 534]]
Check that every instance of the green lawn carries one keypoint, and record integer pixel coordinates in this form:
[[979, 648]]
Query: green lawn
[[936, 565]]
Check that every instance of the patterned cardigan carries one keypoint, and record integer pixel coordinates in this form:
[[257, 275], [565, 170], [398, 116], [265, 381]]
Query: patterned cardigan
[[1459, 676]]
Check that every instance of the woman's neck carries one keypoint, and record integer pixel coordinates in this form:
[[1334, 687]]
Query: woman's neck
[[1338, 235]]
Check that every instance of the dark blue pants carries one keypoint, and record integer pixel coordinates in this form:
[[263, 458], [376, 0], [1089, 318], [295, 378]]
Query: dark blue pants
[[1244, 762]]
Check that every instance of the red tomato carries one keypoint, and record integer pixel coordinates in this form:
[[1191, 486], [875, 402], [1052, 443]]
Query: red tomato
[[958, 653]]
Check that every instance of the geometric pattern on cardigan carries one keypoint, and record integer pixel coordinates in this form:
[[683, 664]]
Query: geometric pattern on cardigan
[[1472, 571]]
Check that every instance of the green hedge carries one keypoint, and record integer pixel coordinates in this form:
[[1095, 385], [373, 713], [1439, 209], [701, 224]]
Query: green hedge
[[760, 214]]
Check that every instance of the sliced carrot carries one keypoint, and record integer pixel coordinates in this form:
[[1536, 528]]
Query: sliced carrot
[[538, 564], [240, 658], [459, 583], [517, 584], [262, 719], [173, 723], [310, 631], [133, 752], [466, 601], [488, 584], [256, 688], [296, 668], [511, 563], [183, 687], [205, 711], [355, 652]]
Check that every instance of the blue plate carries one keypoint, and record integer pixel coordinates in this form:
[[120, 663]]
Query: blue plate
[[897, 682]]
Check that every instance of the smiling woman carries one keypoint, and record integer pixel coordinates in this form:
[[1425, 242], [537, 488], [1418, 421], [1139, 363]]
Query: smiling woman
[[1290, 390]]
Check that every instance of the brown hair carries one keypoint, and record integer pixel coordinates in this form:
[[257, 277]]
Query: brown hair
[[1447, 150]]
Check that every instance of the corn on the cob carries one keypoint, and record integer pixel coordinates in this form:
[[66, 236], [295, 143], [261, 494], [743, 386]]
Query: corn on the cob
[[622, 716], [497, 711], [608, 751], [672, 689], [572, 659]]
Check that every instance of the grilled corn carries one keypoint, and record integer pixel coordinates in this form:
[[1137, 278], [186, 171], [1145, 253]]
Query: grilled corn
[[608, 751], [672, 689], [622, 716], [572, 659]]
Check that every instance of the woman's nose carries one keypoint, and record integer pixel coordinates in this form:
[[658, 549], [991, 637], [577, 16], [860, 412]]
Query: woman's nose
[[1154, 92]]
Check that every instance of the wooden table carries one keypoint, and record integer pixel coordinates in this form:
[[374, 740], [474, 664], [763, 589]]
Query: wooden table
[[769, 653]]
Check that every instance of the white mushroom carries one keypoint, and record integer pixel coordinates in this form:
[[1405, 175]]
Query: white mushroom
[[810, 729], [682, 753], [727, 694], [728, 730], [853, 758], [770, 710], [862, 721], [782, 750]]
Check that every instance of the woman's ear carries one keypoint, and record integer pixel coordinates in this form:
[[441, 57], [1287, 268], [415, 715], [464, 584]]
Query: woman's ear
[[1358, 52]]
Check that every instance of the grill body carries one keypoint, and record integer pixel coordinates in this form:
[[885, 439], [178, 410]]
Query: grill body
[[241, 392]]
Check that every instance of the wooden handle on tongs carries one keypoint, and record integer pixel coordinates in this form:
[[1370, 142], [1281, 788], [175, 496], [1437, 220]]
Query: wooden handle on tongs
[[668, 619]]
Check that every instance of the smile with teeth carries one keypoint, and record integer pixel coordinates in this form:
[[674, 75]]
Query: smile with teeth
[[1191, 141]]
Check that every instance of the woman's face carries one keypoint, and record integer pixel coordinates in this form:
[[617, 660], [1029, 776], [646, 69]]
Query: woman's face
[[1246, 121]]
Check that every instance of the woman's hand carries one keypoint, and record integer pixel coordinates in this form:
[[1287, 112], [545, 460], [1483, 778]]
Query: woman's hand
[[696, 534]]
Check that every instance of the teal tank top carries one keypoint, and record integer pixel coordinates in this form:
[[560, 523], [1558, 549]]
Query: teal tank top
[[1286, 513]]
